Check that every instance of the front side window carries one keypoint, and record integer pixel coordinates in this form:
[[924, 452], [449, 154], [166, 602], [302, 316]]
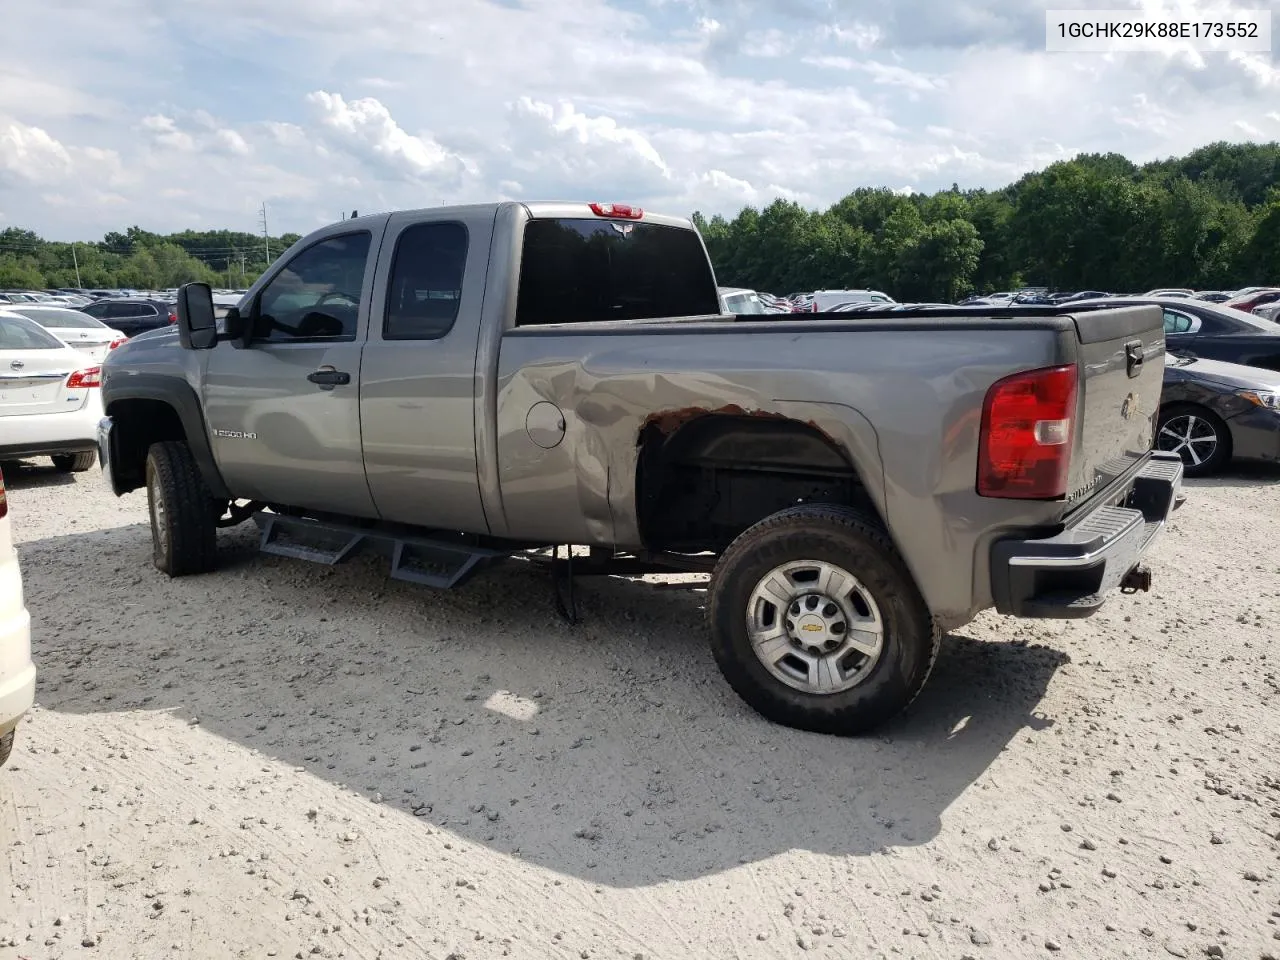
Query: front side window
[[580, 271], [426, 282], [317, 295]]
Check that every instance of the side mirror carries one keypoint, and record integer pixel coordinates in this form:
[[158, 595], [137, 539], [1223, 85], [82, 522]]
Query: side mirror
[[197, 326], [234, 326]]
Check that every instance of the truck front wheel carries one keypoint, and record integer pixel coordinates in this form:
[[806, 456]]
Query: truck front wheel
[[6, 746], [816, 622], [184, 515]]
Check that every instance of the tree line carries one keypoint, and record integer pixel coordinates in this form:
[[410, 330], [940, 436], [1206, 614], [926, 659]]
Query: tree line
[[1208, 220], [137, 259]]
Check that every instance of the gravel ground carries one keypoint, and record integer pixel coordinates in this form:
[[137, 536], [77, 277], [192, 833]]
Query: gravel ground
[[286, 760]]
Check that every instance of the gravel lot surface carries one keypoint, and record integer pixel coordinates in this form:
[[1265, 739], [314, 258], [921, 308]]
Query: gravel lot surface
[[286, 760]]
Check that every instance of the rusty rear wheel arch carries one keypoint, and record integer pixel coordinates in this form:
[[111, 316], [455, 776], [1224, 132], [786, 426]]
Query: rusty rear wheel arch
[[703, 477]]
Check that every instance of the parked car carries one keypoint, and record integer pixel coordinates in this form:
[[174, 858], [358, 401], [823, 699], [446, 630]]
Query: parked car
[[50, 403], [17, 672], [890, 308], [1177, 292], [1212, 412], [1215, 296], [1197, 328], [739, 300], [76, 329], [1270, 311], [540, 374], [1254, 298], [826, 299], [132, 316]]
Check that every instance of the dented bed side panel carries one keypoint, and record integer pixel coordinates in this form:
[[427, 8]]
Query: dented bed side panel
[[903, 405]]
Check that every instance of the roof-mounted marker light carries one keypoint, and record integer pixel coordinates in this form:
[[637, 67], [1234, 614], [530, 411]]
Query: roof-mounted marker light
[[620, 211]]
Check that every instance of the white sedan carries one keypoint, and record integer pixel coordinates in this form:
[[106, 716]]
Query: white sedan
[[87, 334], [50, 403], [17, 672]]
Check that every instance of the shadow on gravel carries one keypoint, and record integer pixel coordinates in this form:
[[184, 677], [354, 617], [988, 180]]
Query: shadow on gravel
[[34, 473], [1239, 474], [612, 751]]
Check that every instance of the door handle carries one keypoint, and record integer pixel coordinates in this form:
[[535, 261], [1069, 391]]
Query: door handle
[[330, 378]]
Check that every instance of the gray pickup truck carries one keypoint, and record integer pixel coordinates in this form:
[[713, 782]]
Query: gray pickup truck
[[460, 384]]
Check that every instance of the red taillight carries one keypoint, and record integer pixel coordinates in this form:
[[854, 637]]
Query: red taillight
[[88, 377], [117, 341], [173, 316], [1024, 448], [4, 500], [620, 210]]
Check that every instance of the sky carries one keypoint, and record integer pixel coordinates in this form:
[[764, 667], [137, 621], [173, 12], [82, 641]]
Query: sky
[[176, 114]]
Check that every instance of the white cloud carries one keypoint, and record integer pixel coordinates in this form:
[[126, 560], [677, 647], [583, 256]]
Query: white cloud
[[585, 142], [32, 154], [164, 131], [366, 129], [232, 142]]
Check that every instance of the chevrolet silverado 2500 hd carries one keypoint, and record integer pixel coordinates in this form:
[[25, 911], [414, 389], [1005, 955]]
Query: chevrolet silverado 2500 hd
[[462, 383]]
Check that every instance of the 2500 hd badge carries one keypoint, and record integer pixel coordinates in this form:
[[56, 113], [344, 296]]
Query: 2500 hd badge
[[235, 434]]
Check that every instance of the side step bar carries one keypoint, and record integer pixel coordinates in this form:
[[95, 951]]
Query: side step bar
[[432, 563]]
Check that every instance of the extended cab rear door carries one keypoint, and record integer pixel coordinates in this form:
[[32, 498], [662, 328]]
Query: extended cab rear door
[[283, 410], [419, 383]]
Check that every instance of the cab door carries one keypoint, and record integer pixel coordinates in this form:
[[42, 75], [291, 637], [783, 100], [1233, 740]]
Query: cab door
[[419, 386], [283, 409]]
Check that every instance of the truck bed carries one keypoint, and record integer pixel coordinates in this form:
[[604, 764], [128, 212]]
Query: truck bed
[[900, 392]]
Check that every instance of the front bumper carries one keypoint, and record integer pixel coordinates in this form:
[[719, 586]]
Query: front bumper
[[1255, 435], [1069, 575]]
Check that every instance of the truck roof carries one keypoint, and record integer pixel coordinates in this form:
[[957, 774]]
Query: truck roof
[[537, 209]]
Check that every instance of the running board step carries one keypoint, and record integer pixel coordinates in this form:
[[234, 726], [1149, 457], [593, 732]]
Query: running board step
[[415, 559], [304, 540]]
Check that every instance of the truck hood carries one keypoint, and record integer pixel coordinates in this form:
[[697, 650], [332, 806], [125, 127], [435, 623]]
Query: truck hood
[[1233, 375]]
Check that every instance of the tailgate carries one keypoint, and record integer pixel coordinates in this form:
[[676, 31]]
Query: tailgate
[[1121, 361]]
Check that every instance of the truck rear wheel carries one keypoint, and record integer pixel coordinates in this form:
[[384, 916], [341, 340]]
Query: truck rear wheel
[[816, 622], [6, 746], [184, 516]]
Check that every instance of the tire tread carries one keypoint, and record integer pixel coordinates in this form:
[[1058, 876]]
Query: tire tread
[[189, 510], [814, 715]]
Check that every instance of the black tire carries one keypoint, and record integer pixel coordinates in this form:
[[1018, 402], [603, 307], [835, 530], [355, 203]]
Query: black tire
[[75, 462], [1175, 414], [184, 516], [857, 543], [6, 746]]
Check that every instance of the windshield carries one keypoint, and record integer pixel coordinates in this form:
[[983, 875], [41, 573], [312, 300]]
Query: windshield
[[742, 303], [55, 319], [19, 333]]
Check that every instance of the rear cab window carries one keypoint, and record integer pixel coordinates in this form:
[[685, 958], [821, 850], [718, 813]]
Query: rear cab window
[[591, 270], [426, 282]]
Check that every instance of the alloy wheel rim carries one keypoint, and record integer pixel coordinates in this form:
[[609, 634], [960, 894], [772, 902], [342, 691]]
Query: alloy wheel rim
[[1192, 438], [815, 627]]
